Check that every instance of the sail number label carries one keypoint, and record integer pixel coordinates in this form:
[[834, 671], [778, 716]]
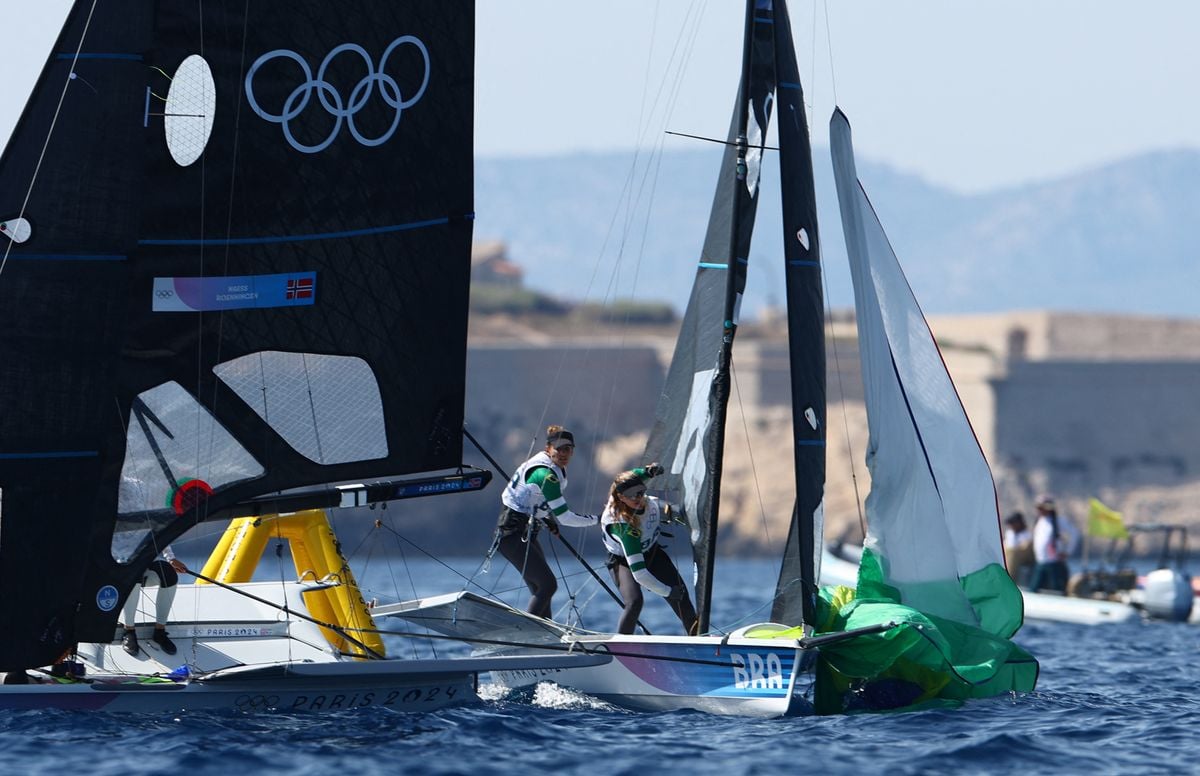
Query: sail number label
[[437, 695], [754, 671], [199, 294]]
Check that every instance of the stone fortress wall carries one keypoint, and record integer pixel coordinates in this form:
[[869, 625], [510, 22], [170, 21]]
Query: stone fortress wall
[[1076, 404]]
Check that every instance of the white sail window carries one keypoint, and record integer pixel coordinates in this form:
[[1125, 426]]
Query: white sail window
[[328, 408], [191, 107], [755, 139], [171, 439], [16, 229]]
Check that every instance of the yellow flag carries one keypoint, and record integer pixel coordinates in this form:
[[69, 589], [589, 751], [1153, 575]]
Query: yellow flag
[[1104, 522]]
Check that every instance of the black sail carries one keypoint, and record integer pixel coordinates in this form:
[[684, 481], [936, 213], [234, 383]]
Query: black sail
[[246, 271], [795, 598], [688, 433]]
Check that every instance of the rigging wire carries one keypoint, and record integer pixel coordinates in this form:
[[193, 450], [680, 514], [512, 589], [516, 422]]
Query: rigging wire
[[762, 509], [412, 583], [439, 561], [203, 472], [829, 47], [570, 648], [631, 192], [649, 182], [282, 581], [829, 317], [630, 200], [569, 607], [285, 609], [346, 572], [50, 132]]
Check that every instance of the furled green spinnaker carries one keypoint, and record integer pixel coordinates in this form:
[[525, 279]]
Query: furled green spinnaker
[[924, 659]]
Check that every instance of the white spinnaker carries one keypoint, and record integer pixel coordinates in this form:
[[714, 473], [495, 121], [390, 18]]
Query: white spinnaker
[[931, 513]]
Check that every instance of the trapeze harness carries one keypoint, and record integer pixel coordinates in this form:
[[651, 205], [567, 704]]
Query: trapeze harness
[[649, 565], [536, 490], [160, 573], [628, 545]]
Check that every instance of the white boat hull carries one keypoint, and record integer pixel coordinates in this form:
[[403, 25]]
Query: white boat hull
[[236, 653], [731, 675], [1048, 607], [401, 687], [736, 676], [1045, 607]]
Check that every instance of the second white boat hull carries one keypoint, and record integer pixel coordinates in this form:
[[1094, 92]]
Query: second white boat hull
[[734, 675]]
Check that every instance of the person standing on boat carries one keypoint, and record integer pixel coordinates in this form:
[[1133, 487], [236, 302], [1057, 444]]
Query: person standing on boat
[[1018, 548], [534, 496], [163, 573], [631, 521], [1054, 539]]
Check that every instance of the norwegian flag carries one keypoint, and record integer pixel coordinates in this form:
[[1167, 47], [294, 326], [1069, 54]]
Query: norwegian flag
[[300, 288]]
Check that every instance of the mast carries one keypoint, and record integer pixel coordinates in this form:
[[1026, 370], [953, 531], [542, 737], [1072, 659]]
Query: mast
[[729, 325], [795, 595]]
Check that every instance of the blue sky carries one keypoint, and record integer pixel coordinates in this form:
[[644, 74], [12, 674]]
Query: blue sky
[[971, 95]]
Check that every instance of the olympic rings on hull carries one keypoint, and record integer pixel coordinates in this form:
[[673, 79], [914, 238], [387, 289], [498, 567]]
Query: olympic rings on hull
[[331, 99]]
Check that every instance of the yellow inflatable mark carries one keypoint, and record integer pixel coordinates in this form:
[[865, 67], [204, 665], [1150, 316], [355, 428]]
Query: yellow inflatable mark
[[317, 556]]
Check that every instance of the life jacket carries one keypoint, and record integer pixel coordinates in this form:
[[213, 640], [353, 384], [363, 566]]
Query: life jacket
[[650, 524], [525, 497]]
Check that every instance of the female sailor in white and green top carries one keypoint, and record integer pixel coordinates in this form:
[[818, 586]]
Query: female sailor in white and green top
[[631, 523], [536, 491]]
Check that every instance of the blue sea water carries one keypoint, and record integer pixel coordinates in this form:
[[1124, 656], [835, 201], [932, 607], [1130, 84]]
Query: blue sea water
[[1111, 699]]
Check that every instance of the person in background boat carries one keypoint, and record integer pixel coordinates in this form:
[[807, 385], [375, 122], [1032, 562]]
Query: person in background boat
[[163, 573], [631, 522], [534, 496], [1018, 548], [1054, 539]]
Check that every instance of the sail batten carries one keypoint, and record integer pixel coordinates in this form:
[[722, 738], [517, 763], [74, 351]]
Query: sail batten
[[289, 238]]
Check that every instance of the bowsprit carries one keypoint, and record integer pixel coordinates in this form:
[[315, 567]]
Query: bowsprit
[[331, 100]]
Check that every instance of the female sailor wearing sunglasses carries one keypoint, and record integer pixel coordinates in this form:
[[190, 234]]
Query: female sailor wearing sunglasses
[[631, 523]]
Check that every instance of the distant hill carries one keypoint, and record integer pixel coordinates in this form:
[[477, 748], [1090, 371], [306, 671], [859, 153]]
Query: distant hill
[[1117, 238]]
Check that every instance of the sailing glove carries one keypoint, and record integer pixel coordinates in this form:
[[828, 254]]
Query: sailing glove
[[673, 514], [653, 470], [678, 593]]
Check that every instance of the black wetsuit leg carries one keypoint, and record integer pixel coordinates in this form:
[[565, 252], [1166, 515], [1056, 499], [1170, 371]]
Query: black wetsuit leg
[[659, 563], [529, 559], [631, 594]]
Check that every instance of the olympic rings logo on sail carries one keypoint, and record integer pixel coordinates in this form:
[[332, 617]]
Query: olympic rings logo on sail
[[331, 99]]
